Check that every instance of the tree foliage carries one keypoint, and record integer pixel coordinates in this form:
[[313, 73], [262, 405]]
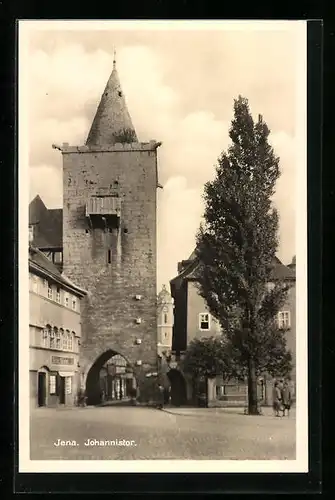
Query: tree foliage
[[125, 135], [236, 248], [206, 357]]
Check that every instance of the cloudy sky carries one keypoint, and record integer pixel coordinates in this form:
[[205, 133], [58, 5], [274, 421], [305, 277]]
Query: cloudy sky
[[179, 85]]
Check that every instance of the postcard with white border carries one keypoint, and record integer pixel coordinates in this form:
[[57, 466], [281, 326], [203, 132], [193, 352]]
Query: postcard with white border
[[163, 246]]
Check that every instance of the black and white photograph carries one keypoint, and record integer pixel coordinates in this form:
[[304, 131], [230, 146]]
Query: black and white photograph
[[162, 246]]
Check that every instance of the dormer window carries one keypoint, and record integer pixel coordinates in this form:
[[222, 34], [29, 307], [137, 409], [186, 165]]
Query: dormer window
[[31, 233], [57, 257]]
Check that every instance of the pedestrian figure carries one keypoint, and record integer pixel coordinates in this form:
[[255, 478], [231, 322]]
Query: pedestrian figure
[[169, 396], [82, 397], [277, 399], [160, 402], [286, 398]]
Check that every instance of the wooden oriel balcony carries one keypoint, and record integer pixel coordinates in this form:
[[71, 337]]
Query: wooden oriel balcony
[[103, 206]]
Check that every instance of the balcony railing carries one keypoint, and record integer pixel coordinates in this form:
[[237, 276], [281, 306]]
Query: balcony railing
[[103, 205]]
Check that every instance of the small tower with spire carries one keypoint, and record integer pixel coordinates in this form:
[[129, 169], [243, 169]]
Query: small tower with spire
[[164, 321], [109, 239]]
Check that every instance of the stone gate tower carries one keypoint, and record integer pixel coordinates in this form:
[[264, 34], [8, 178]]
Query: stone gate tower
[[109, 240]]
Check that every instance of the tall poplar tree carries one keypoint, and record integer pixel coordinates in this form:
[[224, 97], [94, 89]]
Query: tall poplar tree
[[236, 247]]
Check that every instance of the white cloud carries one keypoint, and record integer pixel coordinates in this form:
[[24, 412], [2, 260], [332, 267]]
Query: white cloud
[[176, 95], [179, 212], [47, 181]]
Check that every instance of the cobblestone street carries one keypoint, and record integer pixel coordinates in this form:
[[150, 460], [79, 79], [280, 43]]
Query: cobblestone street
[[175, 434]]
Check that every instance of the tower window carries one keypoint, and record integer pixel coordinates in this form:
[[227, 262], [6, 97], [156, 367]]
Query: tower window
[[165, 318], [109, 257]]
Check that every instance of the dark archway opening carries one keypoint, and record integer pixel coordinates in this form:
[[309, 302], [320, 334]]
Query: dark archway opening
[[110, 379], [178, 388]]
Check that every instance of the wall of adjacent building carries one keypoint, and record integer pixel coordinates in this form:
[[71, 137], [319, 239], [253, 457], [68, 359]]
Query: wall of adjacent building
[[195, 306], [45, 315], [290, 305]]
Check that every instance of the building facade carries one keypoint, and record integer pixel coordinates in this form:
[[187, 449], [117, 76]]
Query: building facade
[[54, 333], [192, 320], [109, 241]]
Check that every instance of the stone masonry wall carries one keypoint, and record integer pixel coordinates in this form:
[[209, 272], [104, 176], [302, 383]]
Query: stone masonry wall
[[110, 310]]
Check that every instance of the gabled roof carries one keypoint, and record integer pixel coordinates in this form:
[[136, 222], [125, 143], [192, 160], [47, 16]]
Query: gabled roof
[[36, 209], [40, 264], [48, 224], [282, 272], [112, 116], [190, 268]]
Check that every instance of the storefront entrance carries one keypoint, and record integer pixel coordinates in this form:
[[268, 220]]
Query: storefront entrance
[[61, 388], [42, 388]]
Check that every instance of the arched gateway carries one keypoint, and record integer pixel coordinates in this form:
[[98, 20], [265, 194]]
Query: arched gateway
[[178, 387], [110, 378]]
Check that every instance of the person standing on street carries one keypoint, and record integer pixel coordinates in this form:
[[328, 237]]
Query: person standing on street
[[277, 398], [286, 398], [160, 402]]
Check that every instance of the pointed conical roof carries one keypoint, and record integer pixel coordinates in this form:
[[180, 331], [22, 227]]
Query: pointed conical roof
[[112, 122]]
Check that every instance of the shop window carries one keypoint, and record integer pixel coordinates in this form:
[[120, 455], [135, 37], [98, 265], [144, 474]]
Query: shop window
[[52, 384]]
